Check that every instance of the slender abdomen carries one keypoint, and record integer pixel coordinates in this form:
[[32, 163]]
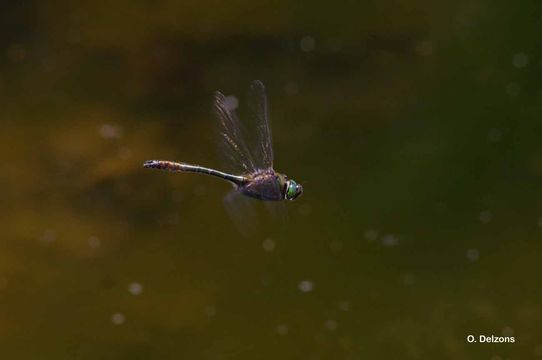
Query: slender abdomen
[[164, 165], [182, 167]]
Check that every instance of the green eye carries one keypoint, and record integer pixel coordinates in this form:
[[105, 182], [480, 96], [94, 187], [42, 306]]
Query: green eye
[[292, 189]]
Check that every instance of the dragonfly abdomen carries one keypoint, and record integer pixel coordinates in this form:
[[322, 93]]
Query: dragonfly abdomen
[[164, 165], [182, 167]]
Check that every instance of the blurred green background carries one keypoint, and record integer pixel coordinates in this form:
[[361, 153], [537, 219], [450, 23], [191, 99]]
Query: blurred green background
[[414, 127]]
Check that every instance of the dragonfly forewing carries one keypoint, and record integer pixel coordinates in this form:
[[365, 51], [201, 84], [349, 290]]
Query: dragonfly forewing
[[259, 124], [233, 149]]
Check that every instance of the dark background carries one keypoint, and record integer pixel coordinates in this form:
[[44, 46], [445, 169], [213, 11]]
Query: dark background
[[414, 127]]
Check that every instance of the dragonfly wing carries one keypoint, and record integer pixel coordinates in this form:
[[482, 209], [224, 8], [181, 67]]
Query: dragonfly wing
[[278, 212], [237, 157], [249, 217], [242, 212], [259, 123]]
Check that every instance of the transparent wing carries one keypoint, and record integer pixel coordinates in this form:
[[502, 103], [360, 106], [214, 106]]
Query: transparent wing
[[236, 155], [258, 122], [242, 212], [249, 216], [278, 212]]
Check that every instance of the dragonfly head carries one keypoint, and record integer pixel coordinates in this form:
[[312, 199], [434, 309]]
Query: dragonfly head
[[293, 190]]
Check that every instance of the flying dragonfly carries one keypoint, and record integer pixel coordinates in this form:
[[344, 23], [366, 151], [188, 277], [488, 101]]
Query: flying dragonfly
[[252, 172]]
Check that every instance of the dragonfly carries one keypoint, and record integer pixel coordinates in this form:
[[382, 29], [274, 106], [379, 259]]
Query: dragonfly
[[249, 158]]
